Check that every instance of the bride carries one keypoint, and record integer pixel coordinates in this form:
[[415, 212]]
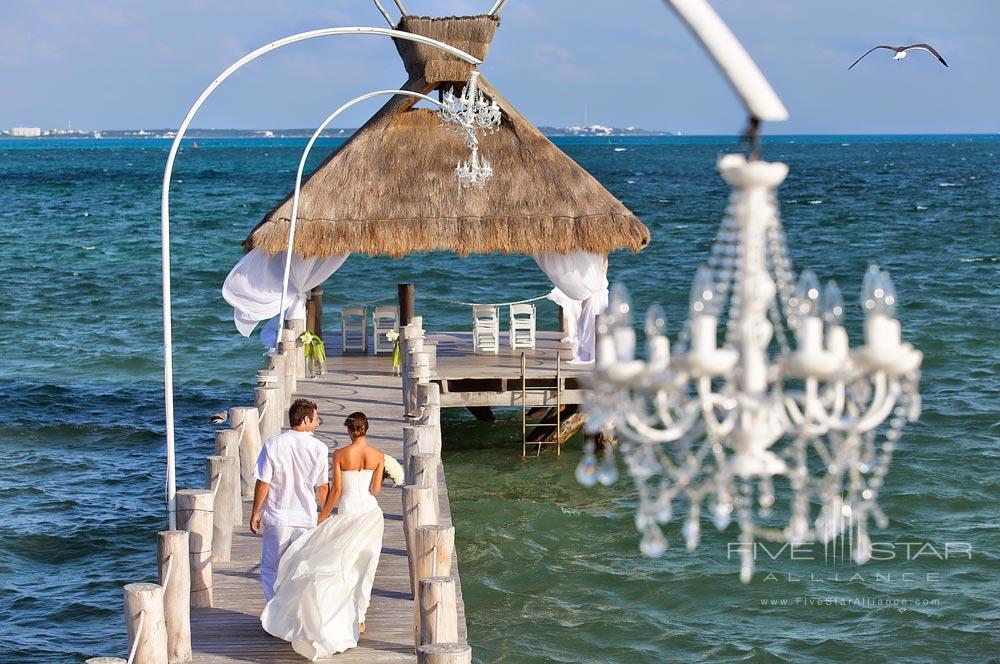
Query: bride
[[325, 577]]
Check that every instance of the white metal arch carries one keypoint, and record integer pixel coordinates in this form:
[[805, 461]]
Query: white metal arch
[[298, 187], [168, 376]]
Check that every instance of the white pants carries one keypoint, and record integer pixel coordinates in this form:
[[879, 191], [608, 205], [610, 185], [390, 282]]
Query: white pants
[[276, 540]]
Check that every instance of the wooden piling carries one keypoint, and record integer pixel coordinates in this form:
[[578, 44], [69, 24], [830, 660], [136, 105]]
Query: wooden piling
[[246, 420], [419, 439], [418, 510], [438, 609], [268, 402], [294, 327], [222, 477], [291, 377], [432, 550], [175, 576], [195, 515], [144, 621], [227, 443], [444, 653], [276, 363]]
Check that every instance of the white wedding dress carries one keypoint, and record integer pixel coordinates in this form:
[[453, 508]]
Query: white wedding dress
[[325, 577]]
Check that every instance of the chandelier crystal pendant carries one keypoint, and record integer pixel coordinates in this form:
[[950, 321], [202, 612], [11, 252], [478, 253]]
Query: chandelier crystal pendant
[[733, 426], [470, 114]]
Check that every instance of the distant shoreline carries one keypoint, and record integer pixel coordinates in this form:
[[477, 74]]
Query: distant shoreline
[[551, 132]]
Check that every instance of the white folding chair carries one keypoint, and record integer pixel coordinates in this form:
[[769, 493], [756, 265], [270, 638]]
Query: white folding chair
[[384, 319], [485, 329], [354, 328], [522, 326]]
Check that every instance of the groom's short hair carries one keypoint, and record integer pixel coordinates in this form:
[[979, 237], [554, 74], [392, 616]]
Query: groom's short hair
[[300, 410]]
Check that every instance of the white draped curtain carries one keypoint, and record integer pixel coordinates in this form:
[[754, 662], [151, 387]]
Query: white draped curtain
[[253, 288], [581, 289]]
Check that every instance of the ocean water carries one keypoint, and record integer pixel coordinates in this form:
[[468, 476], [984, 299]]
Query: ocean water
[[550, 570]]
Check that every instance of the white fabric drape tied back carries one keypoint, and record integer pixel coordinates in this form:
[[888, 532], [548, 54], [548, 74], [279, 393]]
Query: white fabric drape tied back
[[253, 288], [581, 289]]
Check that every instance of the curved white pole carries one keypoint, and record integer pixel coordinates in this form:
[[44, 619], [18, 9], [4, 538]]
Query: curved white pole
[[298, 188], [168, 364], [732, 59]]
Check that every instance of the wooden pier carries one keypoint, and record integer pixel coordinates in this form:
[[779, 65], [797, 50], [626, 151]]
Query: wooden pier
[[441, 371]]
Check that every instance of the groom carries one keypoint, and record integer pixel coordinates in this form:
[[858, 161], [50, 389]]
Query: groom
[[292, 477]]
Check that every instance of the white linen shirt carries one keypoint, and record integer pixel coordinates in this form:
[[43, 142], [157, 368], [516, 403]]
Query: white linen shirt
[[294, 463]]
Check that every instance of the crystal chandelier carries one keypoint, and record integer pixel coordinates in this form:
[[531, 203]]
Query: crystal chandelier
[[717, 425], [470, 114]]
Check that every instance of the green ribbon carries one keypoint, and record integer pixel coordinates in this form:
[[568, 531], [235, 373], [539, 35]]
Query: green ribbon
[[314, 347]]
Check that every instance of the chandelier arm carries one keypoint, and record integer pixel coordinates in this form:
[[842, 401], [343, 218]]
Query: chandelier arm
[[643, 431], [875, 416], [661, 403]]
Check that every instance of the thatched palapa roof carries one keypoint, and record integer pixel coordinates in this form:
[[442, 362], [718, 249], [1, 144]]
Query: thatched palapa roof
[[391, 188]]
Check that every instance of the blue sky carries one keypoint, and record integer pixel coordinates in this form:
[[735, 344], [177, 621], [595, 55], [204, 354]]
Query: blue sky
[[131, 64]]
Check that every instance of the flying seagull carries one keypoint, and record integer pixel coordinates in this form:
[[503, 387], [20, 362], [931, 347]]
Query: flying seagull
[[901, 52], [219, 418]]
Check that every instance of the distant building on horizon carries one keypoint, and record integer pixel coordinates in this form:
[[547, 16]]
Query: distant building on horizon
[[26, 132]]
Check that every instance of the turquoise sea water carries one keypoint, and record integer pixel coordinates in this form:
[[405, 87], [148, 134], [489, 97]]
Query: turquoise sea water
[[550, 570]]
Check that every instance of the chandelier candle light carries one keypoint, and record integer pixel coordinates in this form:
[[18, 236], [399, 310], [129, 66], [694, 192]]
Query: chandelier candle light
[[470, 113], [716, 424]]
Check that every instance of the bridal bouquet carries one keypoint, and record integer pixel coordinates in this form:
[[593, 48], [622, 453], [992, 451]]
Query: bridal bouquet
[[392, 470]]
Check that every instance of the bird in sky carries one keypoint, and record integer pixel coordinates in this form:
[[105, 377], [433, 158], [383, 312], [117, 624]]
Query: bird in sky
[[219, 418], [900, 52]]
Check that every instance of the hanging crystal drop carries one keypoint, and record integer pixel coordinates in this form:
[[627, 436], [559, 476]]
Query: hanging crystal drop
[[653, 542], [692, 530], [664, 506], [862, 552], [798, 529], [607, 473], [722, 512], [586, 470], [746, 561]]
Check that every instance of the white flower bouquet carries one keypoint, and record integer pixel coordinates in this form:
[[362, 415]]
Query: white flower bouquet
[[392, 470]]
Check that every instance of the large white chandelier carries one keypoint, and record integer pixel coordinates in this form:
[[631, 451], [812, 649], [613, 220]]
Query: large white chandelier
[[470, 114], [715, 426]]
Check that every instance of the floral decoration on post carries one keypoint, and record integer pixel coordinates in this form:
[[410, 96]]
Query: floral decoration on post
[[315, 352], [393, 336]]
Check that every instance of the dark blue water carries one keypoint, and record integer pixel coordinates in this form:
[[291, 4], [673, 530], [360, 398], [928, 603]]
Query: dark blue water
[[550, 571]]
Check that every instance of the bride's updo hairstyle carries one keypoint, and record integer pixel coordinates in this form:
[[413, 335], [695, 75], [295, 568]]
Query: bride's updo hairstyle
[[357, 424]]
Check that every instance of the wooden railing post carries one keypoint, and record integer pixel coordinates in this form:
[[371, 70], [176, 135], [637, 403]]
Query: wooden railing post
[[227, 443], [294, 327], [246, 420], [144, 621], [268, 402], [438, 608], [276, 363], [222, 478], [194, 514], [418, 510], [444, 653], [175, 577], [422, 469]]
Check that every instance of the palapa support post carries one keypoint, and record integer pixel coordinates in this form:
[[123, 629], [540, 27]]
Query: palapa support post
[[246, 420], [433, 548], [195, 515], [407, 296], [222, 478], [175, 577], [227, 443], [147, 632], [314, 312], [438, 610], [418, 510], [422, 470], [444, 653], [268, 402]]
